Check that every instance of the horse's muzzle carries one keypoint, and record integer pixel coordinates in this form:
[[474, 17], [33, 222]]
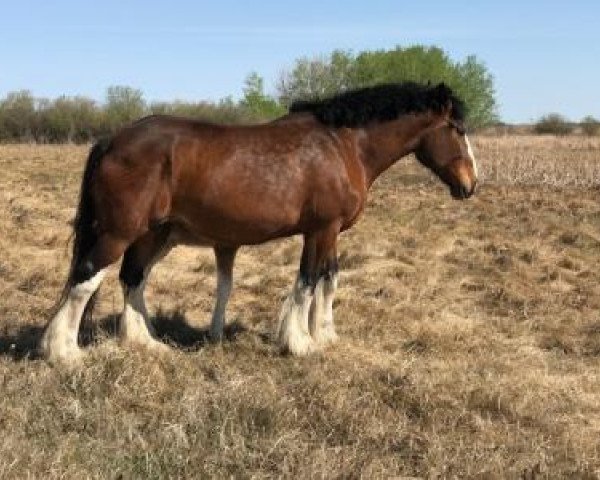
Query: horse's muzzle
[[462, 192]]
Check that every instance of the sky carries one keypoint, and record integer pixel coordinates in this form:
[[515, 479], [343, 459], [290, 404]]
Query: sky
[[544, 55]]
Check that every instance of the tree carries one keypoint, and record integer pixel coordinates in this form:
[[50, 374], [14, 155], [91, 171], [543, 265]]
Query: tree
[[224, 111], [590, 126], [256, 102], [475, 85], [18, 120], [325, 76], [553, 124], [317, 77], [417, 64], [70, 119], [123, 105]]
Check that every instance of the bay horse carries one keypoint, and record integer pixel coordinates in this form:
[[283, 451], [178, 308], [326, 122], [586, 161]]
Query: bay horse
[[164, 181]]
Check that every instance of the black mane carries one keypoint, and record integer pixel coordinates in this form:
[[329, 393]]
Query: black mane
[[381, 103]]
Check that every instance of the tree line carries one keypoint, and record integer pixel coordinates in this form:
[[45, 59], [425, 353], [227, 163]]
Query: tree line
[[557, 124], [24, 118], [78, 119]]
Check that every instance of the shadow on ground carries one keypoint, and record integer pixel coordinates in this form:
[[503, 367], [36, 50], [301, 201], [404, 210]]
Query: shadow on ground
[[22, 344], [170, 327], [173, 328]]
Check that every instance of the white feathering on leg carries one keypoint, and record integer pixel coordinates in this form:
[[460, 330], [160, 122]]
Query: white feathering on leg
[[292, 330], [135, 326], [59, 342], [322, 326]]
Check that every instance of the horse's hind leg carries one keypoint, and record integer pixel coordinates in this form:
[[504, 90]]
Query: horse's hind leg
[[225, 258], [59, 342], [140, 257]]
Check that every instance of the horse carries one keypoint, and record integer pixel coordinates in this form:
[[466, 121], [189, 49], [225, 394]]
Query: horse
[[164, 181]]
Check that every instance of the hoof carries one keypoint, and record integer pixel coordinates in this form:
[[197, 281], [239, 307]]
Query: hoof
[[327, 336], [151, 344], [298, 345], [65, 356], [215, 336]]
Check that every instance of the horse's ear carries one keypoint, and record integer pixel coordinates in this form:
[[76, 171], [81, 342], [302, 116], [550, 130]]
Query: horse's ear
[[448, 107], [443, 92], [444, 97]]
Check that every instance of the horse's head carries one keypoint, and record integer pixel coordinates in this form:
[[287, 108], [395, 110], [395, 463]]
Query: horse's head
[[446, 150]]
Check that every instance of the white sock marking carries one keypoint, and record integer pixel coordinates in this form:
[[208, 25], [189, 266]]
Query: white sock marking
[[224, 283], [135, 325]]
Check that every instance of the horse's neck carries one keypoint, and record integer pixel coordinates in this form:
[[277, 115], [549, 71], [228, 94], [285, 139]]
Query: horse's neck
[[385, 143]]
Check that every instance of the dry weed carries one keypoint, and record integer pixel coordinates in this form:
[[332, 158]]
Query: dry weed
[[470, 338]]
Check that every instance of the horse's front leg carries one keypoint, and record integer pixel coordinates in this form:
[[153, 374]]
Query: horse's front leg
[[321, 323], [308, 306], [292, 333]]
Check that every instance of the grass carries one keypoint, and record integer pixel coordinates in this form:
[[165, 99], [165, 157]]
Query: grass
[[470, 337]]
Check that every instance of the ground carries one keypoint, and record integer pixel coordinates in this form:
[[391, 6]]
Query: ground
[[469, 337]]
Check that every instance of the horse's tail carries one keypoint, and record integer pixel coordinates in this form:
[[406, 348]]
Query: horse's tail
[[84, 234]]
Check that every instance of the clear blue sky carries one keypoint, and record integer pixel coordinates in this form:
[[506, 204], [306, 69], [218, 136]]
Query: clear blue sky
[[545, 55]]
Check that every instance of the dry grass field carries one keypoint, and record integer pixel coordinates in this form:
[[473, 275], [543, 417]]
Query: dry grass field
[[470, 337]]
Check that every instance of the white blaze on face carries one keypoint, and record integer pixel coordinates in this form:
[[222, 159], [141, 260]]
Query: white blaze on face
[[471, 156]]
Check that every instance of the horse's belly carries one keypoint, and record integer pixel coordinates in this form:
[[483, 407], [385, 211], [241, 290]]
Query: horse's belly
[[239, 225]]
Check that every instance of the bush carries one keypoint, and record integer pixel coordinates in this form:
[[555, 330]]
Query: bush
[[224, 111], [553, 124], [123, 105], [590, 126], [18, 119], [256, 103], [69, 119]]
